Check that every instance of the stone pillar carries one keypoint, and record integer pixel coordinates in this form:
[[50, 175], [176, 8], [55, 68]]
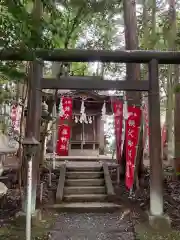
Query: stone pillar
[[156, 170]]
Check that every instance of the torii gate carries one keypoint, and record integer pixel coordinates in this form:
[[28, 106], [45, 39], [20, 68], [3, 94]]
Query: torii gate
[[152, 58]]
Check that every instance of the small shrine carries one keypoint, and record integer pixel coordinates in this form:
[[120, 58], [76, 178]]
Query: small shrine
[[82, 114], [87, 127]]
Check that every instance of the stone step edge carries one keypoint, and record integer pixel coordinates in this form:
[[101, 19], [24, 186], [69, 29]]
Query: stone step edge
[[84, 172], [85, 179], [84, 187], [74, 169], [84, 205], [85, 196]]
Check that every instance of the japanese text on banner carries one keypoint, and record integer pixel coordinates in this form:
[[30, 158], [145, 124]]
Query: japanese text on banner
[[67, 103], [132, 134], [63, 140], [118, 124], [16, 117]]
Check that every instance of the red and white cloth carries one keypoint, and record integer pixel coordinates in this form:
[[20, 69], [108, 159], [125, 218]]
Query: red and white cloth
[[132, 135], [63, 140], [118, 125], [16, 117], [64, 130], [67, 104]]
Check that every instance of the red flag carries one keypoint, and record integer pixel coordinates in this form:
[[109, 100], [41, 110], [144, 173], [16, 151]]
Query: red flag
[[132, 135], [118, 124], [13, 114], [63, 140], [163, 134], [67, 104], [64, 130]]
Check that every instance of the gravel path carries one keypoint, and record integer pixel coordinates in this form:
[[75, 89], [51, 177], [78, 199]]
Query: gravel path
[[92, 226]]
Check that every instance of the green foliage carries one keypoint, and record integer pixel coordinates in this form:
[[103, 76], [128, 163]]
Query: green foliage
[[79, 69]]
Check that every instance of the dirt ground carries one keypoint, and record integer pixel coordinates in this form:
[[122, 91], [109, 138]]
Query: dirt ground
[[91, 226], [95, 226]]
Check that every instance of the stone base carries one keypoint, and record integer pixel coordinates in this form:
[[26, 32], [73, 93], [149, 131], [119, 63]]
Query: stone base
[[160, 223]]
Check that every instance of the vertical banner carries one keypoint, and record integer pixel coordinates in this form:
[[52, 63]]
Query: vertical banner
[[118, 124], [125, 117], [67, 103], [163, 135], [64, 131], [163, 142], [132, 135], [14, 131], [16, 117], [13, 115], [63, 140], [146, 125]]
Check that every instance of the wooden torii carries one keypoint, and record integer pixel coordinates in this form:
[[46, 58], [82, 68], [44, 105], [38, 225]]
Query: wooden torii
[[152, 58]]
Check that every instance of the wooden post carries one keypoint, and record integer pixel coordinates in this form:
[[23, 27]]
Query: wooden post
[[101, 134], [82, 138], [156, 170]]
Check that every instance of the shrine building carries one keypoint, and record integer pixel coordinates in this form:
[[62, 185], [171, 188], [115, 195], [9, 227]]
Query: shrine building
[[87, 136]]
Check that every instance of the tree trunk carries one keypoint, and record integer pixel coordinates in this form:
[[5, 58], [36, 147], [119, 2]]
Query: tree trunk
[[177, 125], [34, 108], [170, 83], [132, 70]]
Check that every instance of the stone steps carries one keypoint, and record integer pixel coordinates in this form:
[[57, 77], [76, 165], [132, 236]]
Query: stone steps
[[74, 168], [85, 197], [84, 182], [84, 175], [79, 207], [84, 187], [85, 190]]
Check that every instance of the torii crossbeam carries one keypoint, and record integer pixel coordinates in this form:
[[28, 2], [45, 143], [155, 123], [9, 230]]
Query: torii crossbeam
[[152, 58]]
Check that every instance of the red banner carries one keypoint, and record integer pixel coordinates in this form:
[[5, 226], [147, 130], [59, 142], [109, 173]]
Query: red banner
[[63, 140], [163, 135], [64, 130], [118, 124], [13, 114], [67, 103], [132, 135]]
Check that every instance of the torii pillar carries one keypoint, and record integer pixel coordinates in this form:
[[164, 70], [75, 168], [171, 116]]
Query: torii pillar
[[156, 169]]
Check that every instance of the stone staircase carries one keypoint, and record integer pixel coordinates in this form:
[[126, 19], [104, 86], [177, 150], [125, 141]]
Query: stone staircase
[[84, 187], [84, 184]]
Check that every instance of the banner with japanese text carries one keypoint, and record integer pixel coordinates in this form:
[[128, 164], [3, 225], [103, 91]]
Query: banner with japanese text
[[163, 135], [118, 125], [63, 140], [64, 130], [16, 117], [132, 136], [67, 105]]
